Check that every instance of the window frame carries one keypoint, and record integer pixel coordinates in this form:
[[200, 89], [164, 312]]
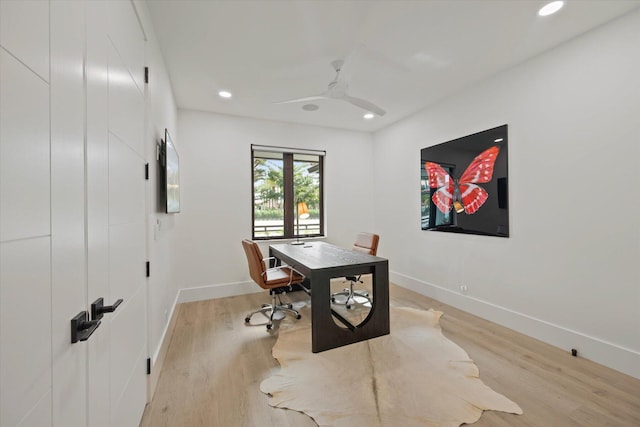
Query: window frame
[[289, 231], [434, 213]]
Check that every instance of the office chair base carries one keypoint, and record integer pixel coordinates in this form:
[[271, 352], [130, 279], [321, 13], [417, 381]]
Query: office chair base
[[350, 299], [277, 314]]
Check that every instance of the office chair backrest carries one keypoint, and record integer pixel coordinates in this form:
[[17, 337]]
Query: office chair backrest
[[367, 243], [254, 259]]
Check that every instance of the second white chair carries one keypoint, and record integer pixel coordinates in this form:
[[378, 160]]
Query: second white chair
[[366, 243]]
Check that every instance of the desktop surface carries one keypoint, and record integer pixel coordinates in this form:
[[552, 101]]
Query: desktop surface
[[321, 255]]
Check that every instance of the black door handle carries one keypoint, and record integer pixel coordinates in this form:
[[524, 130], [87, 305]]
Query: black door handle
[[82, 327], [98, 308]]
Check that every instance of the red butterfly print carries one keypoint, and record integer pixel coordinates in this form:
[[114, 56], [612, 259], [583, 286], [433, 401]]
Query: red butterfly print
[[464, 193]]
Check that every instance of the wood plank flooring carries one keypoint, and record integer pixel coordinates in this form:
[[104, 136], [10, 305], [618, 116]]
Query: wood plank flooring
[[215, 364]]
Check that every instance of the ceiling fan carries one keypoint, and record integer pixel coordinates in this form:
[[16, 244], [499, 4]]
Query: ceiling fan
[[338, 90]]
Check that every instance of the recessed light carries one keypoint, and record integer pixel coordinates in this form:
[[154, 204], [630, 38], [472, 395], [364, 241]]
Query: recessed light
[[550, 8], [369, 116], [310, 107], [498, 140], [224, 94]]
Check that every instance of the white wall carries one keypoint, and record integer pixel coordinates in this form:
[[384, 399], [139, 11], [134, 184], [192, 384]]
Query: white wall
[[215, 180], [568, 273]]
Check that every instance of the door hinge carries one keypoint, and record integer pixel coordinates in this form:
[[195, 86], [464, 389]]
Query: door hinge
[[146, 74], [149, 366], [148, 269], [146, 171]]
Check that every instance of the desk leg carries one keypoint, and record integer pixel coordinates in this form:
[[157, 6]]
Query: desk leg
[[380, 318], [321, 336], [326, 334]]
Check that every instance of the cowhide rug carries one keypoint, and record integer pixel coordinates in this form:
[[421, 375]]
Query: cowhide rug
[[412, 377]]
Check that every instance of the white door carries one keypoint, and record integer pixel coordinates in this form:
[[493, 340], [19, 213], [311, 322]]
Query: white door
[[42, 239], [25, 222], [72, 212], [116, 212], [68, 250]]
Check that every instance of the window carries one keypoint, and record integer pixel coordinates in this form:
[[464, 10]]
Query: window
[[431, 216], [287, 193]]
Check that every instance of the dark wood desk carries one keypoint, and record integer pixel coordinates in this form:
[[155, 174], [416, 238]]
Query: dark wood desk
[[320, 262]]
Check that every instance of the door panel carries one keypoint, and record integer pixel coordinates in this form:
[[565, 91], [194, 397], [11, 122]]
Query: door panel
[[131, 404], [125, 32], [127, 255], [126, 104], [124, 330], [128, 381], [25, 248], [126, 187], [68, 252], [126, 220], [24, 152], [25, 306], [126, 262], [99, 356], [24, 31], [40, 415]]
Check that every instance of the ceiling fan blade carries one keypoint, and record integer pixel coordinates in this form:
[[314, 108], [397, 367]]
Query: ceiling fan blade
[[305, 99], [364, 104]]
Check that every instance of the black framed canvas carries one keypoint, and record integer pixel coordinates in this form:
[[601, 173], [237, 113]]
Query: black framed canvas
[[464, 184]]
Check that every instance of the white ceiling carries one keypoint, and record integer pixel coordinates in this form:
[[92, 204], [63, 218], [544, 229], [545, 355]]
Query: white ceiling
[[401, 55]]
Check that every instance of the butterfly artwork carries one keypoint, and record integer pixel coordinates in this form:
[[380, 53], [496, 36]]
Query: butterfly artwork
[[464, 195]]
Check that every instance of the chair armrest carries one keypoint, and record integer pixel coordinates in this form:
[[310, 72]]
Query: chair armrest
[[269, 258], [282, 264], [291, 270], [264, 273]]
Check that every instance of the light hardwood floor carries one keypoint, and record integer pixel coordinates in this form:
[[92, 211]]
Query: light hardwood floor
[[215, 364]]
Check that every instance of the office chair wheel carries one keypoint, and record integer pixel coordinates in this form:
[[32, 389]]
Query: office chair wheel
[[333, 299], [269, 327], [298, 317], [247, 319], [348, 306], [290, 305]]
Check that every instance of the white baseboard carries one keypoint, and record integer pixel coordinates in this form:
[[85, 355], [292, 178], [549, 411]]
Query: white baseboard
[[217, 291], [611, 355], [157, 359]]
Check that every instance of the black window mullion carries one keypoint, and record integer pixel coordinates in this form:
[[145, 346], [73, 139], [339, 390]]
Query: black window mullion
[[289, 211], [253, 193], [321, 189]]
